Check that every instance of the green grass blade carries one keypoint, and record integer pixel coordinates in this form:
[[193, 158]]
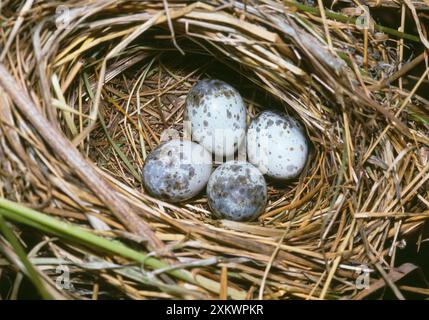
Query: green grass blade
[[19, 213], [14, 211], [20, 252]]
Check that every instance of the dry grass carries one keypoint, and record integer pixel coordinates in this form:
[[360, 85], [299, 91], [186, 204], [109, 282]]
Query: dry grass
[[114, 78]]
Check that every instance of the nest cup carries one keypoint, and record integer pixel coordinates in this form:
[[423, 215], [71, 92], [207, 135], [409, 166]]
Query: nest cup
[[113, 77]]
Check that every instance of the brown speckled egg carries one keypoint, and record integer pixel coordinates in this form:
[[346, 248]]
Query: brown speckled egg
[[277, 145], [237, 191], [177, 170], [217, 116]]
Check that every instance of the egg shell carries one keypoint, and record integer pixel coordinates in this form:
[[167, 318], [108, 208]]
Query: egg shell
[[237, 191], [217, 116], [277, 145], [177, 170]]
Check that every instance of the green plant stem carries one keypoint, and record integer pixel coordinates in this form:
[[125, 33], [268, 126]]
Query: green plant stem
[[20, 252], [346, 19], [21, 214]]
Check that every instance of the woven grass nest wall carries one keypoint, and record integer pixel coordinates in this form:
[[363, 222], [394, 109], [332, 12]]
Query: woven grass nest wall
[[88, 88]]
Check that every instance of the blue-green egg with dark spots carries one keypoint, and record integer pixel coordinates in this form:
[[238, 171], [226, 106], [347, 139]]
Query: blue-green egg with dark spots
[[177, 170], [277, 145], [237, 191], [217, 116]]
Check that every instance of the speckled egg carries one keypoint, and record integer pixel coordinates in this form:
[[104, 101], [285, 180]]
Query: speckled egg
[[237, 191], [277, 145], [217, 116], [177, 170]]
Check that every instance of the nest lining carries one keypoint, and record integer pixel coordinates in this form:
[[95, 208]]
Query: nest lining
[[358, 196]]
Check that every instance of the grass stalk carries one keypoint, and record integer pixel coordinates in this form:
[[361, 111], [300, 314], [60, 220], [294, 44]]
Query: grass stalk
[[19, 213], [32, 273]]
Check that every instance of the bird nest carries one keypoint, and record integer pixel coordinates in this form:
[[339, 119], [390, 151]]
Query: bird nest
[[89, 89]]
